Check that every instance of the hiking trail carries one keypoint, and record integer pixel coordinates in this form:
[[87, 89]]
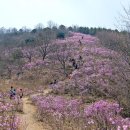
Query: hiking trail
[[28, 117]]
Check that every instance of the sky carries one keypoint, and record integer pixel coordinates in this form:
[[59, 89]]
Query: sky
[[90, 13]]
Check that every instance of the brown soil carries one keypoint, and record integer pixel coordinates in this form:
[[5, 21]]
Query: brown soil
[[28, 117]]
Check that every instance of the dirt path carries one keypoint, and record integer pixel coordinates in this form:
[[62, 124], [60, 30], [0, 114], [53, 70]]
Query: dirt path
[[29, 121]]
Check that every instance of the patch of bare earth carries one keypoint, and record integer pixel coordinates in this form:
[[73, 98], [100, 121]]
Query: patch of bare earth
[[28, 117]]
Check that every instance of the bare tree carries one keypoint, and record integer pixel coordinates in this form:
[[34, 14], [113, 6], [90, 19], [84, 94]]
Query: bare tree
[[124, 21], [63, 55], [44, 40], [51, 24], [28, 53], [39, 26]]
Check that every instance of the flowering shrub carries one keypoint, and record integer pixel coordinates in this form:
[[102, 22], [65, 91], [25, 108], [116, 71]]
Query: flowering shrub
[[105, 115], [8, 118], [59, 112], [103, 72], [62, 113], [32, 65]]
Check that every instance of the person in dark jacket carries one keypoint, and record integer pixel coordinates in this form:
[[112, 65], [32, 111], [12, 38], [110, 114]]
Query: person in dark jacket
[[11, 92]]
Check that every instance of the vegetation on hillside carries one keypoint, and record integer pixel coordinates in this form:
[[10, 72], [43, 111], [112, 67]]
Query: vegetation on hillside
[[87, 70]]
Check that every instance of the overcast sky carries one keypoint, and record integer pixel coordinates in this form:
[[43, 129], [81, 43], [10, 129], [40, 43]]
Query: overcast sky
[[91, 13]]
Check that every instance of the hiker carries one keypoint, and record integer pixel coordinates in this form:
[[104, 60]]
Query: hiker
[[80, 61], [11, 92], [14, 92], [74, 64], [55, 81], [21, 93], [80, 57], [80, 42]]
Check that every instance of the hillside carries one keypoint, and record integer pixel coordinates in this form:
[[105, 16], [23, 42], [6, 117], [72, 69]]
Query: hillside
[[89, 82]]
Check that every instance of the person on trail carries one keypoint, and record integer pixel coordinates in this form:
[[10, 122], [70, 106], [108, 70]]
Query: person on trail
[[55, 81], [14, 92], [21, 93], [11, 92]]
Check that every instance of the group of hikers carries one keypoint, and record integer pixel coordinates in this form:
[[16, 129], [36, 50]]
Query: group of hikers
[[14, 93]]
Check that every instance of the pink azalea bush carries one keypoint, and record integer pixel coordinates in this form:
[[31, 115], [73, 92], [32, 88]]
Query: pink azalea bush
[[57, 111], [101, 71], [8, 118], [106, 114], [62, 113]]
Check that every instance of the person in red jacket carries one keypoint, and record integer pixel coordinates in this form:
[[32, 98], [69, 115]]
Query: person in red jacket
[[21, 93]]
